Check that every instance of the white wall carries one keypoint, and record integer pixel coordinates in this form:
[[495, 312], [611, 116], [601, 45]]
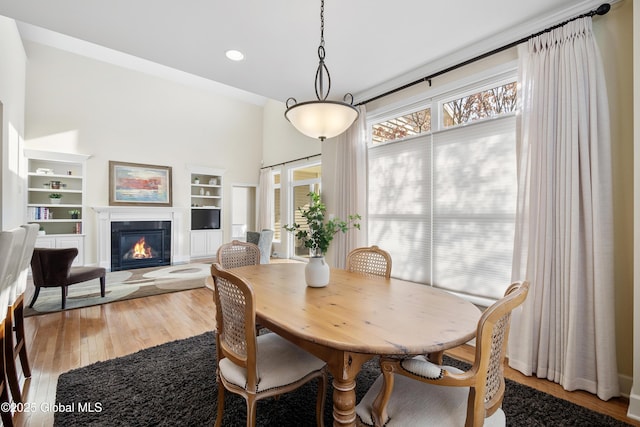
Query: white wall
[[12, 88], [282, 142], [80, 105]]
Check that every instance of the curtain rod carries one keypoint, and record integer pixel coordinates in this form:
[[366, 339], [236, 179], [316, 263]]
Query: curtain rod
[[292, 161], [601, 10]]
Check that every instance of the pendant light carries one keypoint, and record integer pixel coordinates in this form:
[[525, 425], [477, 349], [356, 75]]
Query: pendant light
[[322, 118]]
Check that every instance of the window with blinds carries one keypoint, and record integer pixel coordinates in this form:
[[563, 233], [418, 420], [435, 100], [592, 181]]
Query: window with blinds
[[409, 124], [443, 205]]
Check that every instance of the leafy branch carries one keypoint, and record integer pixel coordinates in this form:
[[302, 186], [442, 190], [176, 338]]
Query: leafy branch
[[320, 233]]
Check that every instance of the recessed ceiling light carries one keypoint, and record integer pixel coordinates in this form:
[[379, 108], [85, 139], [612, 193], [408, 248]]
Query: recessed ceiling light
[[235, 55]]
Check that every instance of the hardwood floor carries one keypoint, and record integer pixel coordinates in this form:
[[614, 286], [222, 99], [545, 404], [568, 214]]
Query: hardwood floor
[[616, 408], [62, 341], [59, 342]]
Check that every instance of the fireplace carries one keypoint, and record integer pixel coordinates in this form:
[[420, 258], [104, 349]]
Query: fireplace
[[138, 244]]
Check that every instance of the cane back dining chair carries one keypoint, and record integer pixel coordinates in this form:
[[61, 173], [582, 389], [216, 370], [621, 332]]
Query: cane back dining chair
[[417, 392], [238, 254], [256, 367], [17, 347], [370, 260]]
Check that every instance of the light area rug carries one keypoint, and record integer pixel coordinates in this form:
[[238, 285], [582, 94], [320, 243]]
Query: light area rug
[[121, 285]]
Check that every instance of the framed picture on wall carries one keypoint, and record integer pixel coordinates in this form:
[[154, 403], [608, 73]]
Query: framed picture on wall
[[134, 184]]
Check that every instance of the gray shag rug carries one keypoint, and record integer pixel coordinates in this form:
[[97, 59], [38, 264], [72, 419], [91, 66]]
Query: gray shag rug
[[174, 384]]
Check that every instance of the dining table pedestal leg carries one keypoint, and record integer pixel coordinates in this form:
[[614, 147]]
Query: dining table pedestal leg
[[344, 371]]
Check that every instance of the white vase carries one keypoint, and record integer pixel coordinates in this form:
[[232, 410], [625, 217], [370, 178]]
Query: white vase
[[316, 273], [55, 201]]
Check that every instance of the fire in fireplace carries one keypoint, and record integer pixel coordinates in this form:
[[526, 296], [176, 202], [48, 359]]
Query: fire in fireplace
[[138, 244], [140, 250]]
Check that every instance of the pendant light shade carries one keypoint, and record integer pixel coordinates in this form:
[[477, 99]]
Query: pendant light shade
[[322, 118]]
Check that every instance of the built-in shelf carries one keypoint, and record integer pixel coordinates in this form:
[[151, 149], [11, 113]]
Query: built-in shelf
[[63, 174], [206, 188]]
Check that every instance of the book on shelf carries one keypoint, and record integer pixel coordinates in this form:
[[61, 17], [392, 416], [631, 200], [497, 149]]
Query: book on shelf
[[39, 213]]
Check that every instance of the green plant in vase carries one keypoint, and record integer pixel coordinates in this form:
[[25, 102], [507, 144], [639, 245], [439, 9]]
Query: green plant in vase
[[75, 213], [55, 197], [319, 234]]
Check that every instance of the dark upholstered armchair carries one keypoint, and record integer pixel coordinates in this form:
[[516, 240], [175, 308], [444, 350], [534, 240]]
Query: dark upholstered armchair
[[52, 268]]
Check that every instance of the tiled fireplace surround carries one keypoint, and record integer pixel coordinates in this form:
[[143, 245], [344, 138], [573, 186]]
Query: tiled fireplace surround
[[108, 214]]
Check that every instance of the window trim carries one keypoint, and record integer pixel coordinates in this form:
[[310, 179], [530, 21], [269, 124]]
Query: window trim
[[290, 208], [434, 96], [472, 91]]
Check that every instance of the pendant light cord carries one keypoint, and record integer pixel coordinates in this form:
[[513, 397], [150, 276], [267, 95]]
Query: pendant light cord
[[322, 67], [322, 23], [321, 119]]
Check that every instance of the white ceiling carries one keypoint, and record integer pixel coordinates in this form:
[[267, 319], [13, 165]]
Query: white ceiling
[[371, 45]]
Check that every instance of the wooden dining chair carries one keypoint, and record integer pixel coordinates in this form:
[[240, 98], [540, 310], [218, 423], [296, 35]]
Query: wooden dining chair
[[370, 260], [417, 392], [11, 243], [238, 254], [17, 347], [256, 367]]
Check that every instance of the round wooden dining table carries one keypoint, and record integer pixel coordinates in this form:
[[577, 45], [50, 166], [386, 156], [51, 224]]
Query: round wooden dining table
[[356, 317]]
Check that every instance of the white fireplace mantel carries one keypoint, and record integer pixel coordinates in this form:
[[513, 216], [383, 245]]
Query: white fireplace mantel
[[108, 214]]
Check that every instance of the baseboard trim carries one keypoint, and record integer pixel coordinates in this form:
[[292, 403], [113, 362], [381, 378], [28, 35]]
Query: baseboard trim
[[625, 382], [634, 407]]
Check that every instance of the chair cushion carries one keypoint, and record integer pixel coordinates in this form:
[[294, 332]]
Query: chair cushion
[[422, 367], [280, 363], [414, 403], [82, 274]]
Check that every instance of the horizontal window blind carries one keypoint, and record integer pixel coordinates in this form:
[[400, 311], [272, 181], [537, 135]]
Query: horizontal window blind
[[399, 205], [474, 203], [443, 205]]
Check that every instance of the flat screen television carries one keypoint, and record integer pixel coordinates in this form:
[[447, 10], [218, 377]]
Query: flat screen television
[[205, 219]]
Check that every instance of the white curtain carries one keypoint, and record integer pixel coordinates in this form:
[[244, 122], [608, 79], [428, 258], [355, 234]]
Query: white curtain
[[265, 200], [351, 179], [564, 232]]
